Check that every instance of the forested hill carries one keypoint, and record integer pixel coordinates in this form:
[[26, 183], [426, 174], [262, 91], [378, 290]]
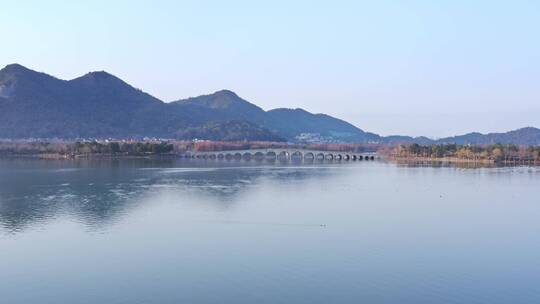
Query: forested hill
[[100, 105], [528, 136], [292, 124]]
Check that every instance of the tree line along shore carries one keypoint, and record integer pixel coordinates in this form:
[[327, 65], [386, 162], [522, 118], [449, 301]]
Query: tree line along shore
[[496, 153], [81, 149], [146, 148]]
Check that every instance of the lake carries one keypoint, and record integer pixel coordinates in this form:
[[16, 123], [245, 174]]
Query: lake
[[178, 231]]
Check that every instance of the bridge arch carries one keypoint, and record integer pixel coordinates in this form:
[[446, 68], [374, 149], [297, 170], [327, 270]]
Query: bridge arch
[[247, 156], [237, 156], [297, 155], [320, 156], [271, 155], [329, 156], [258, 156], [283, 155]]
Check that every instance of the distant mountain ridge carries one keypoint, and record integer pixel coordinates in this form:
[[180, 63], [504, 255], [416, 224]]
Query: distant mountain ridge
[[528, 136], [101, 105], [224, 105], [523, 136], [290, 123]]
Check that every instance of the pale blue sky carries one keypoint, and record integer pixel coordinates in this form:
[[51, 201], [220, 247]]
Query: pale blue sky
[[433, 68]]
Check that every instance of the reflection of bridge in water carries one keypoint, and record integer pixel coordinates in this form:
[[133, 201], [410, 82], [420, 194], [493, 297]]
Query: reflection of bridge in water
[[282, 155]]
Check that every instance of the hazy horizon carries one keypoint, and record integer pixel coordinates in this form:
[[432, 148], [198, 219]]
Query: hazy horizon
[[410, 69]]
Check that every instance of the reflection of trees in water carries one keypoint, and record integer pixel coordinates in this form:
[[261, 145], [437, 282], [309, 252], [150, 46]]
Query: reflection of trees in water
[[447, 164], [92, 195], [98, 193]]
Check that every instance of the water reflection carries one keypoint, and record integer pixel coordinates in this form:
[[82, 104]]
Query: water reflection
[[207, 232], [451, 164], [99, 192]]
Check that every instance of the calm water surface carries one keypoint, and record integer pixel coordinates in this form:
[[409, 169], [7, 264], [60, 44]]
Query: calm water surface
[[194, 232]]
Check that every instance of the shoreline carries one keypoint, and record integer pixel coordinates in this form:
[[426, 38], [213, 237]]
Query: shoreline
[[443, 159], [84, 157], [402, 160]]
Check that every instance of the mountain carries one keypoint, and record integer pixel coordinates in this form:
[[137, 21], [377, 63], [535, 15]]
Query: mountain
[[528, 136], [100, 105], [94, 105], [31, 102], [401, 139], [525, 136], [229, 131], [225, 105], [292, 124]]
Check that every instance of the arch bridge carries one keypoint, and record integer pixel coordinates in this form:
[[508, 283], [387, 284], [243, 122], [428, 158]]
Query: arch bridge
[[282, 155]]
